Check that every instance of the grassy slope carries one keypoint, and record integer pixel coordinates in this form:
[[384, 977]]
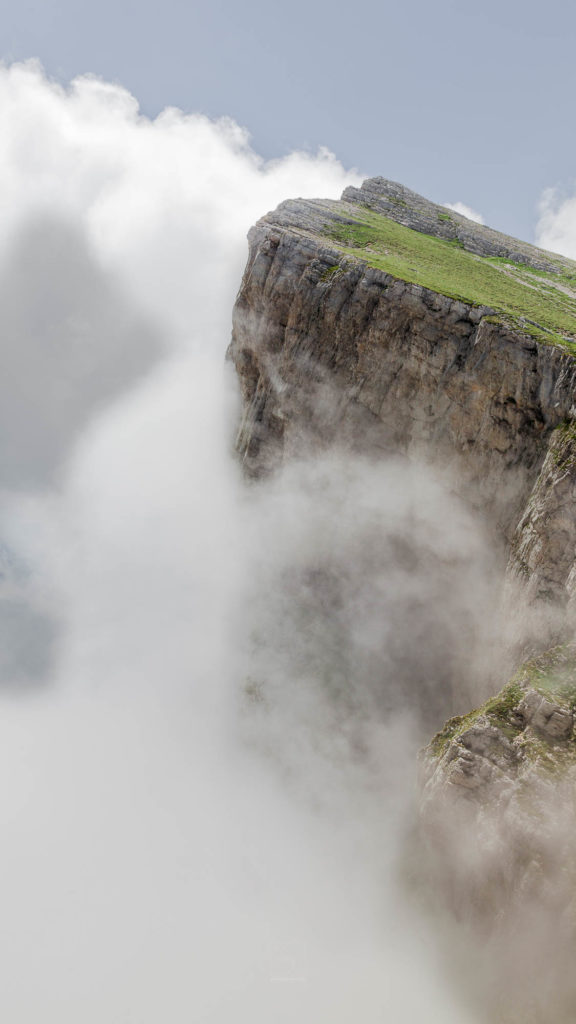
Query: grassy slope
[[553, 674], [516, 293]]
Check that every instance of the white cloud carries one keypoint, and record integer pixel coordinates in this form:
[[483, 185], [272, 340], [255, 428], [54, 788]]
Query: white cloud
[[556, 229], [152, 867], [466, 211]]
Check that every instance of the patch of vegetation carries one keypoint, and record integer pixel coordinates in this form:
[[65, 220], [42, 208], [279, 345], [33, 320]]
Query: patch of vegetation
[[568, 428], [553, 759], [535, 330], [444, 216], [454, 727], [497, 710], [330, 272], [553, 674], [562, 276], [529, 301]]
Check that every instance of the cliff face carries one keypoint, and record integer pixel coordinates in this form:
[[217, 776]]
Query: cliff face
[[381, 323]]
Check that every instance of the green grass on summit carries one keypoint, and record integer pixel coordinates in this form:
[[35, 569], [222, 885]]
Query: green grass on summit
[[538, 303]]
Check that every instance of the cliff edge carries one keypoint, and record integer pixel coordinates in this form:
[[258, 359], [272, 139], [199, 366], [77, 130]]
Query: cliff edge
[[382, 323]]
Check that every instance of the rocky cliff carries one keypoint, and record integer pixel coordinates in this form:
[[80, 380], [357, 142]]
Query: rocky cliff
[[384, 323]]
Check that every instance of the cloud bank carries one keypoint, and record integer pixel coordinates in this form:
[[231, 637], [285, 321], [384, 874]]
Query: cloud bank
[[466, 211], [191, 826], [556, 229]]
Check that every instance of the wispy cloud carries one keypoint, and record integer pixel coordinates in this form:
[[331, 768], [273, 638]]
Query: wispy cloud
[[556, 228], [466, 211], [155, 864]]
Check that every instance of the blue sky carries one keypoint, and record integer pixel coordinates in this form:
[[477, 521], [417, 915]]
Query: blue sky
[[458, 100]]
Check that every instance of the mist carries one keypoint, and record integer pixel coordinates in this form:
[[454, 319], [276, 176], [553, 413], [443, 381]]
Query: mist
[[212, 694], [556, 228]]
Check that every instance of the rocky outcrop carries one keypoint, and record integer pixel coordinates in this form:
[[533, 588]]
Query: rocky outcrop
[[408, 208], [528, 728], [544, 542], [496, 837]]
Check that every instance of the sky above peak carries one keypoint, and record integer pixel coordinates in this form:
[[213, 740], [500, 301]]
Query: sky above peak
[[462, 102]]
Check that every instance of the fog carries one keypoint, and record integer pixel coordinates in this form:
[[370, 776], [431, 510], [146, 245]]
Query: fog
[[212, 694], [556, 229]]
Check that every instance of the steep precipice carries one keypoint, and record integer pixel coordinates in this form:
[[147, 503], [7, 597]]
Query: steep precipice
[[383, 323]]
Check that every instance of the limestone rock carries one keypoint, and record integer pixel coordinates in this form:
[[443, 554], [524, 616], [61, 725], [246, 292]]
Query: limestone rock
[[546, 716]]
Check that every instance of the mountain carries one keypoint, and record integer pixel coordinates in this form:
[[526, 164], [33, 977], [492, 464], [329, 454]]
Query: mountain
[[382, 324]]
